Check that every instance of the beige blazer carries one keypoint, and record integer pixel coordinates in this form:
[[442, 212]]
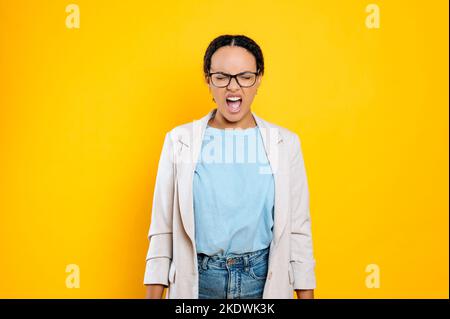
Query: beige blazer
[[171, 257]]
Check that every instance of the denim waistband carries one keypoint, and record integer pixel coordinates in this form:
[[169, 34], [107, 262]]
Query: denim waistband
[[232, 259]]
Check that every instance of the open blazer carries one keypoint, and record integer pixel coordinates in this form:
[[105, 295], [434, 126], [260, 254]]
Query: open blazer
[[171, 257]]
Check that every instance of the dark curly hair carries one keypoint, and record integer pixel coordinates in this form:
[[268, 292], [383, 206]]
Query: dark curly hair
[[233, 40]]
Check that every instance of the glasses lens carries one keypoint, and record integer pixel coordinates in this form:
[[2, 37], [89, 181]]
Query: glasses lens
[[246, 79], [220, 79]]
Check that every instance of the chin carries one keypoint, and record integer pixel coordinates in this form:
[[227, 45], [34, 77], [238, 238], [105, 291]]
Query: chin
[[231, 116]]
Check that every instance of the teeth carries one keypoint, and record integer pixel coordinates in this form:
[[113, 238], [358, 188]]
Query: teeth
[[234, 98]]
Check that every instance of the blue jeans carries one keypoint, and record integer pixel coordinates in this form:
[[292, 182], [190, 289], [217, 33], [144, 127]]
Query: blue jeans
[[236, 276]]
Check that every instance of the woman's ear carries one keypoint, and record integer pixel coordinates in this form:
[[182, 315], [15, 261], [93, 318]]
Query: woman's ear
[[209, 85], [258, 81]]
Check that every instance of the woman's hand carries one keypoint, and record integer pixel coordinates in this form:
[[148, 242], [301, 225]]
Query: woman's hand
[[305, 294], [154, 291]]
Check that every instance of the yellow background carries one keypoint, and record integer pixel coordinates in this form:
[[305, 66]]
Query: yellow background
[[83, 113]]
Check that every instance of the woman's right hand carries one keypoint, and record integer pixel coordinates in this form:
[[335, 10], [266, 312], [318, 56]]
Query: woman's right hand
[[154, 291]]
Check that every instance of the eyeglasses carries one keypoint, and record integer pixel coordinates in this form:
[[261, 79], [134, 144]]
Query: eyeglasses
[[243, 79]]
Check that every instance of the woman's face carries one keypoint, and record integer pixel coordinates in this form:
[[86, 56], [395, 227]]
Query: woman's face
[[233, 60]]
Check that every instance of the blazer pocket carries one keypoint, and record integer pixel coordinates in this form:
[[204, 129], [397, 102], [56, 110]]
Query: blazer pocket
[[172, 272], [291, 274]]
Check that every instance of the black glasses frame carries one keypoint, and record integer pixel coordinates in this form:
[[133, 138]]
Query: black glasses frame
[[231, 76]]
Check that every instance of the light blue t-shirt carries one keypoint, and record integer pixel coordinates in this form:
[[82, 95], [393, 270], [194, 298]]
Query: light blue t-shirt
[[234, 193]]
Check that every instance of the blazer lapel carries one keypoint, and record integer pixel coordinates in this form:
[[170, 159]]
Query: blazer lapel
[[272, 137], [189, 144], [188, 149]]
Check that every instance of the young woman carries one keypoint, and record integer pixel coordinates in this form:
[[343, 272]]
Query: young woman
[[230, 215]]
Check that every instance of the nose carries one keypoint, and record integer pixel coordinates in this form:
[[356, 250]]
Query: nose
[[233, 85]]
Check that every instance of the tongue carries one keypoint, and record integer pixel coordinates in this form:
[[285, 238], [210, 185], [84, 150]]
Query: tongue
[[234, 104]]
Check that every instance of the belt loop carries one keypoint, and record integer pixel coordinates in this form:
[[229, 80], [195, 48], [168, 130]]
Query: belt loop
[[205, 262], [246, 262]]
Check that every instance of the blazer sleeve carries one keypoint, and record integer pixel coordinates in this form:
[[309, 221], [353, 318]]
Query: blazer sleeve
[[302, 258], [159, 254]]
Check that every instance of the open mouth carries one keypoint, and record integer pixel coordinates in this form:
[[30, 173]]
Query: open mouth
[[234, 104]]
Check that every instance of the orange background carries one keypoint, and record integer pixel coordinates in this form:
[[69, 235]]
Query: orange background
[[83, 113]]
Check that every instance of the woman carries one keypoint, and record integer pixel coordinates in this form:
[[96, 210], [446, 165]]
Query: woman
[[230, 215]]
